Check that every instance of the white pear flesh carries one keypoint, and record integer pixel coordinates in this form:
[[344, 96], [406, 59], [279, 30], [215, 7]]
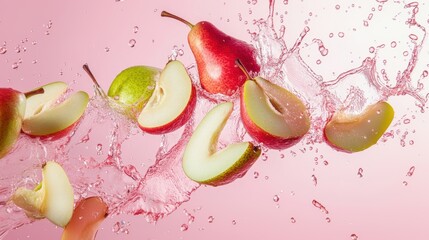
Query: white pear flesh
[[55, 119], [204, 164], [53, 198], [172, 95], [40, 102]]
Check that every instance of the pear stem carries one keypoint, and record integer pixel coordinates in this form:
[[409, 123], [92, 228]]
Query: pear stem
[[241, 66], [167, 14], [94, 80], [34, 92]]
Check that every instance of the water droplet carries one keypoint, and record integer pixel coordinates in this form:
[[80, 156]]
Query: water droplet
[[314, 179], [405, 53], [184, 227], [210, 219], [285, 2], [254, 2], [331, 35], [360, 172], [407, 121], [107, 49], [411, 171], [234, 222], [255, 174], [132, 43], [292, 220], [328, 220], [405, 183], [354, 237], [371, 49], [326, 163], [320, 206], [413, 37], [393, 44], [318, 62], [276, 198], [337, 7], [3, 50], [135, 29], [282, 156], [341, 34]]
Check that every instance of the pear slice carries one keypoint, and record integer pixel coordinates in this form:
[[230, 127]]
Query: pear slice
[[44, 118], [271, 114], [203, 164], [359, 132], [172, 103], [53, 198], [87, 217]]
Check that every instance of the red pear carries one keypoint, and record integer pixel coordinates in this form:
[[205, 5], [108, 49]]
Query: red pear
[[215, 53]]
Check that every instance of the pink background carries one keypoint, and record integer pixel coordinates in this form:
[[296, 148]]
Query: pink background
[[375, 206]]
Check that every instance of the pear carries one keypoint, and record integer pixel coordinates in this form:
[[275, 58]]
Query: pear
[[131, 89], [134, 86], [215, 53], [203, 164], [271, 114], [53, 198], [45, 118], [12, 110], [354, 133], [88, 214]]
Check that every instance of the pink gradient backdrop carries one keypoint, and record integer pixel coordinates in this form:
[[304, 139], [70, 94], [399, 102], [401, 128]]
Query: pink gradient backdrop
[[376, 206]]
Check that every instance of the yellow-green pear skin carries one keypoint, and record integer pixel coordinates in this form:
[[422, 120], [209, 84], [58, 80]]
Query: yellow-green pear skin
[[134, 86], [359, 132], [12, 109]]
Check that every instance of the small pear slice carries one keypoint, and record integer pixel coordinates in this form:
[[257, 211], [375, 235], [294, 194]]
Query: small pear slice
[[359, 132], [87, 217], [203, 164], [43, 118], [172, 103], [53, 198]]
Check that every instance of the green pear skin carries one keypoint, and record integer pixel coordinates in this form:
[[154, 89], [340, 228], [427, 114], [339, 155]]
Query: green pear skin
[[12, 109], [134, 85]]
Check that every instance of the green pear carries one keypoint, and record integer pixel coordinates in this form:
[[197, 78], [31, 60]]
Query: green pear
[[131, 88]]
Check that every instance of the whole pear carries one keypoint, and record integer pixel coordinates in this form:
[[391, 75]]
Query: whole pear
[[215, 53]]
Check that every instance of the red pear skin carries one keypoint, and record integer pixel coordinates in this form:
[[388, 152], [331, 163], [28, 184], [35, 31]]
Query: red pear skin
[[215, 53], [12, 108], [179, 121], [88, 214]]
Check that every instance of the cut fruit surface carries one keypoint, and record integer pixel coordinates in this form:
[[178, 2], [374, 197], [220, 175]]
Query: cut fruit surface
[[53, 198], [359, 132], [204, 164], [172, 103], [54, 119]]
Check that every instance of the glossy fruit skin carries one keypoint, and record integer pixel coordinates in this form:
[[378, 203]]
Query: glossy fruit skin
[[179, 121], [134, 85], [12, 109], [215, 53]]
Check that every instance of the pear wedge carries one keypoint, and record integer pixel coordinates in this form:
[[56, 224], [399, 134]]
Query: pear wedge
[[52, 199], [359, 132], [44, 118], [87, 217], [203, 164]]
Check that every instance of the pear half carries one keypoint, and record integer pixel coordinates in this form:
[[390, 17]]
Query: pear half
[[53, 198], [87, 217], [359, 132], [172, 103], [203, 164], [272, 115], [43, 117]]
